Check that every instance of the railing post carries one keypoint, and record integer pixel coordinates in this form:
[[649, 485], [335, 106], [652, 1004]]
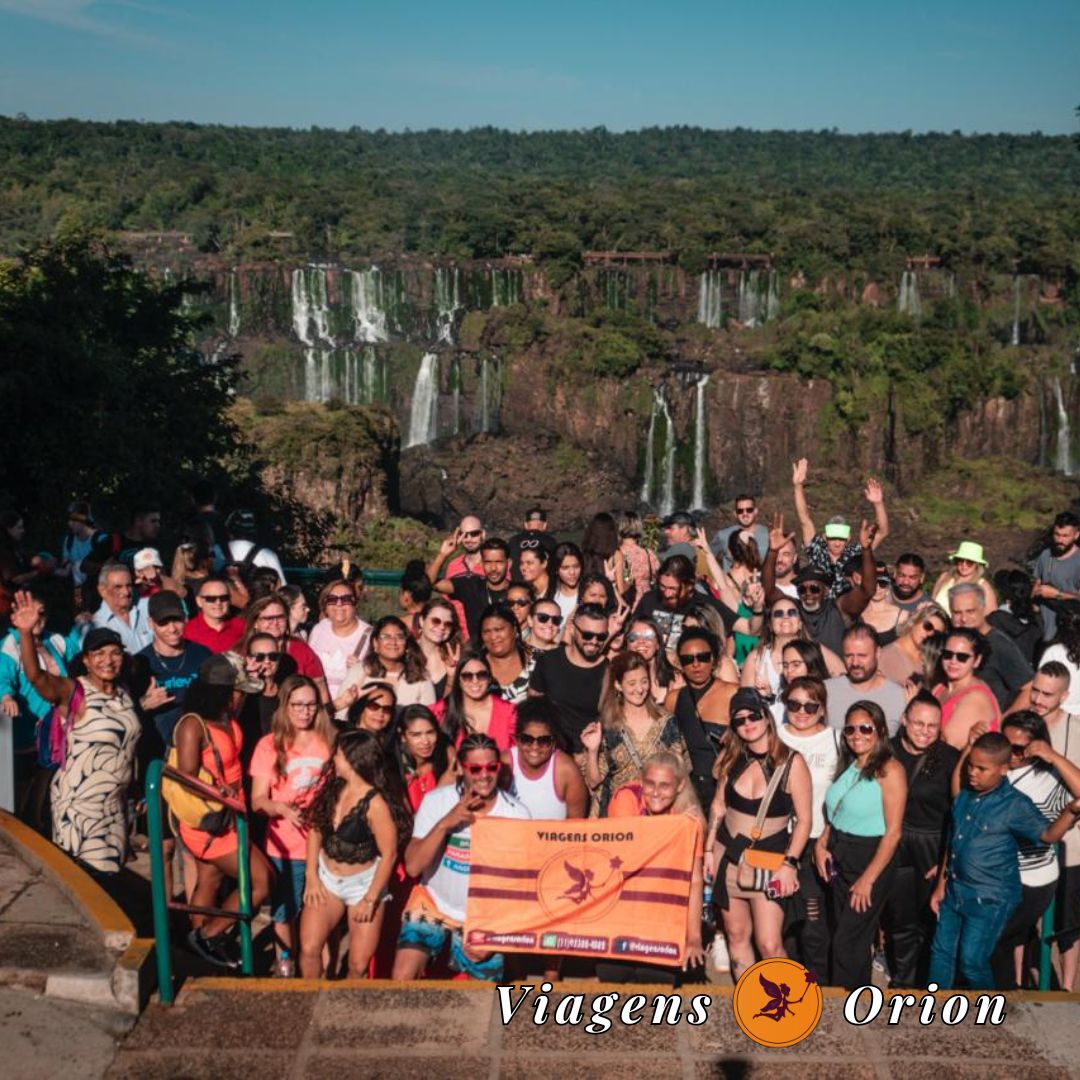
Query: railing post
[[160, 899], [243, 886]]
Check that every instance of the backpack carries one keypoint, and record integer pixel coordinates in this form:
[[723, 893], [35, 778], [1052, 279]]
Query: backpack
[[54, 728], [190, 808]]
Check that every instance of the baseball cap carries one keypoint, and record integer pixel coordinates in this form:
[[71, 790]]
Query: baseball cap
[[747, 699], [164, 606], [100, 636], [837, 529], [147, 557], [227, 669], [680, 517], [812, 573]]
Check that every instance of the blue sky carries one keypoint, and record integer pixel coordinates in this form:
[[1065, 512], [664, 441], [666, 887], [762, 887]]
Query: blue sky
[[972, 65]]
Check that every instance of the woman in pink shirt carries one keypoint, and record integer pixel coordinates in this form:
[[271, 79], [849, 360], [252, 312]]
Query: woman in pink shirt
[[473, 708], [285, 769]]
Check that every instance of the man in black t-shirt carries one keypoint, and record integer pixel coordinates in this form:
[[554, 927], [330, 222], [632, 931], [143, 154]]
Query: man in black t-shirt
[[572, 676], [475, 593], [535, 534]]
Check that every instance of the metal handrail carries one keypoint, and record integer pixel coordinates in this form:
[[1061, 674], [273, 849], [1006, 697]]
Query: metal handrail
[[1046, 940], [162, 905]]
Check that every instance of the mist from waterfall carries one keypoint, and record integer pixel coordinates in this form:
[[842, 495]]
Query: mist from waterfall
[[700, 445], [423, 415]]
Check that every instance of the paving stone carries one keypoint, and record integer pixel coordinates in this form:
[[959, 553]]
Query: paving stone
[[42, 903], [421, 1019], [765, 1069], [45, 948], [397, 1068], [198, 1065], [14, 876], [262, 1021], [955, 1070], [1010, 1041], [595, 1067]]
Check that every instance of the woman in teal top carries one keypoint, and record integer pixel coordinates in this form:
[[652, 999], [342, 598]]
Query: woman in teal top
[[864, 809]]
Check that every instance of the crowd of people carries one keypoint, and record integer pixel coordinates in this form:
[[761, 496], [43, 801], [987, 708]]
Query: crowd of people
[[880, 763]]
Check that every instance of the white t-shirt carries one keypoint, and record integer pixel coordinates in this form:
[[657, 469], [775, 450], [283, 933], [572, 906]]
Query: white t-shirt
[[238, 550], [821, 754], [448, 879], [1039, 862]]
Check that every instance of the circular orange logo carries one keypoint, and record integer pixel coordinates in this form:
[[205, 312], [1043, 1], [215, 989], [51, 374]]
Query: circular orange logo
[[583, 882], [777, 1002]]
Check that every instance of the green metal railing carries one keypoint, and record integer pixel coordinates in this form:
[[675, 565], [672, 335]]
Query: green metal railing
[[307, 575], [1046, 941], [162, 903]]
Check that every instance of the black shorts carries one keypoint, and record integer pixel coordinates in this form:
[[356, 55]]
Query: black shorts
[[1067, 907]]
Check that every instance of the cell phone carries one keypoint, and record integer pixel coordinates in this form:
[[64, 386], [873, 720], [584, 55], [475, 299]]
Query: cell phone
[[772, 890], [831, 873]]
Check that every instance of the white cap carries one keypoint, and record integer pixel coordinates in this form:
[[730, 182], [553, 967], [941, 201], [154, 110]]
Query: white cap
[[146, 558]]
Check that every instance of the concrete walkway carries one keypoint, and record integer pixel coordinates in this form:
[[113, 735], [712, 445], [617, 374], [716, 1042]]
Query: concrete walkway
[[218, 1031]]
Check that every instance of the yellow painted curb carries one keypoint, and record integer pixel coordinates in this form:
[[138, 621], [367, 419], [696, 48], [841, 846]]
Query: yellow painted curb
[[112, 924]]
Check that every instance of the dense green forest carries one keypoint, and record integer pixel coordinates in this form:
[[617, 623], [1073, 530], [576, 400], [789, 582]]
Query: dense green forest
[[820, 202]]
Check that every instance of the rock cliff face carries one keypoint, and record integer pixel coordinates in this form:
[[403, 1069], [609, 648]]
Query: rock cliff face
[[492, 407]]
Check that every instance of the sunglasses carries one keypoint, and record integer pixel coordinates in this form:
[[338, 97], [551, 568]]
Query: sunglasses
[[263, 656], [491, 768], [811, 587], [392, 639], [544, 617], [536, 740], [744, 718], [215, 598], [340, 598], [640, 635], [811, 708], [383, 710], [744, 510], [593, 635], [432, 621], [686, 659], [862, 729], [303, 706], [474, 676], [520, 602], [883, 582], [930, 628], [786, 613], [952, 654], [270, 618], [471, 533], [1019, 749]]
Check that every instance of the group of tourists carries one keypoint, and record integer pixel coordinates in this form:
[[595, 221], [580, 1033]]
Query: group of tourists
[[880, 764]]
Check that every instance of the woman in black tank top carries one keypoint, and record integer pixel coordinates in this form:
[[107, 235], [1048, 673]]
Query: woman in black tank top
[[752, 757]]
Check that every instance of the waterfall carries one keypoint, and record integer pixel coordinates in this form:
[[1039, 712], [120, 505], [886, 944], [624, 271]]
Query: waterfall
[[234, 304], [749, 298], [505, 287], [310, 307], [485, 418], [367, 302], [700, 446], [1016, 311], [423, 416], [710, 308], [909, 303], [658, 484], [455, 377], [447, 302], [772, 303], [1063, 447]]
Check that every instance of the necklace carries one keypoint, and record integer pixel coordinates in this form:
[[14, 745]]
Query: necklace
[[164, 661]]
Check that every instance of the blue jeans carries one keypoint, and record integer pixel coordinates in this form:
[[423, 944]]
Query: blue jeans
[[967, 931]]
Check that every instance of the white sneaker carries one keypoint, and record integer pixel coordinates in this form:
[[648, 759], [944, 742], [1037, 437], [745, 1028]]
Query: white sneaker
[[721, 960]]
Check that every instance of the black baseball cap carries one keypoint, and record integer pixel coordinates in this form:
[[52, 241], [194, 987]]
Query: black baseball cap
[[747, 699], [165, 606], [812, 573], [100, 636]]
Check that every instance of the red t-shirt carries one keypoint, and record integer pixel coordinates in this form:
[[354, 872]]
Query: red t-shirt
[[307, 661], [217, 641], [503, 721]]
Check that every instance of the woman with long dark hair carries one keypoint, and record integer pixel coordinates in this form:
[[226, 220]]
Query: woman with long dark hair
[[783, 624], [284, 770], [374, 711], [270, 615], [473, 707], [509, 659], [425, 755], [394, 658], [357, 821], [534, 565], [966, 701], [599, 544], [643, 637], [755, 772], [864, 810], [567, 566], [440, 642]]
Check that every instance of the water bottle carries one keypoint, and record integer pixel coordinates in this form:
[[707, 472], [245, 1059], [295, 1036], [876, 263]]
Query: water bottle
[[285, 968], [708, 916]]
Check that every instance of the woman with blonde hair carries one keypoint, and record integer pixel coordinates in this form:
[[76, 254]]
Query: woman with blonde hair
[[759, 825], [632, 727], [968, 568], [284, 770], [903, 659]]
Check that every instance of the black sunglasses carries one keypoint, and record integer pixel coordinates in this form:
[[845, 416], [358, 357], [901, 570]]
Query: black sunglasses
[[593, 635], [811, 587], [1018, 748], [536, 740], [686, 659], [260, 656], [811, 708], [520, 602], [744, 718], [952, 654], [544, 617], [862, 729], [471, 533], [785, 613], [215, 598], [744, 509]]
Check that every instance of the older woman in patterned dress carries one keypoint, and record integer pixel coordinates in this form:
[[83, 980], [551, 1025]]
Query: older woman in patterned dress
[[100, 731]]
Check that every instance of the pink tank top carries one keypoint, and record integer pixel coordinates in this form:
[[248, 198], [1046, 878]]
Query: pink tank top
[[949, 707]]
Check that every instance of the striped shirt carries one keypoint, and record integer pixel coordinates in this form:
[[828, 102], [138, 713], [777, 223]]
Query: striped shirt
[[1039, 862]]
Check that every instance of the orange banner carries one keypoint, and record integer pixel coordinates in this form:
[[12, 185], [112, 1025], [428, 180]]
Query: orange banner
[[613, 887]]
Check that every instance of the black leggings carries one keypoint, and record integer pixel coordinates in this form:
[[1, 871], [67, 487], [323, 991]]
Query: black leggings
[[854, 931], [908, 920], [806, 933], [1019, 930]]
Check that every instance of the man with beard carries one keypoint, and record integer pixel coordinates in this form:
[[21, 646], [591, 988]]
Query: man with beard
[[673, 595], [475, 593], [907, 582], [1049, 689], [701, 706], [470, 535], [1004, 670], [862, 681], [1057, 572], [747, 512], [825, 619], [572, 676]]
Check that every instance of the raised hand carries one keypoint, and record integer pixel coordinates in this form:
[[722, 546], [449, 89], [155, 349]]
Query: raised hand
[[872, 492], [155, 696], [799, 471], [867, 532], [25, 611], [450, 544], [591, 736], [777, 537]]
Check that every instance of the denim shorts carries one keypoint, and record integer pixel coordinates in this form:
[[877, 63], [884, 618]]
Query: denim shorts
[[288, 895], [350, 889]]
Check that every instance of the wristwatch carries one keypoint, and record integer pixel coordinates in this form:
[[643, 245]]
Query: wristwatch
[[791, 861]]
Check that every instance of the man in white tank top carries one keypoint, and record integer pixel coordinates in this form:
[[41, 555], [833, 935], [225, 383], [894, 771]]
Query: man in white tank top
[[545, 779]]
